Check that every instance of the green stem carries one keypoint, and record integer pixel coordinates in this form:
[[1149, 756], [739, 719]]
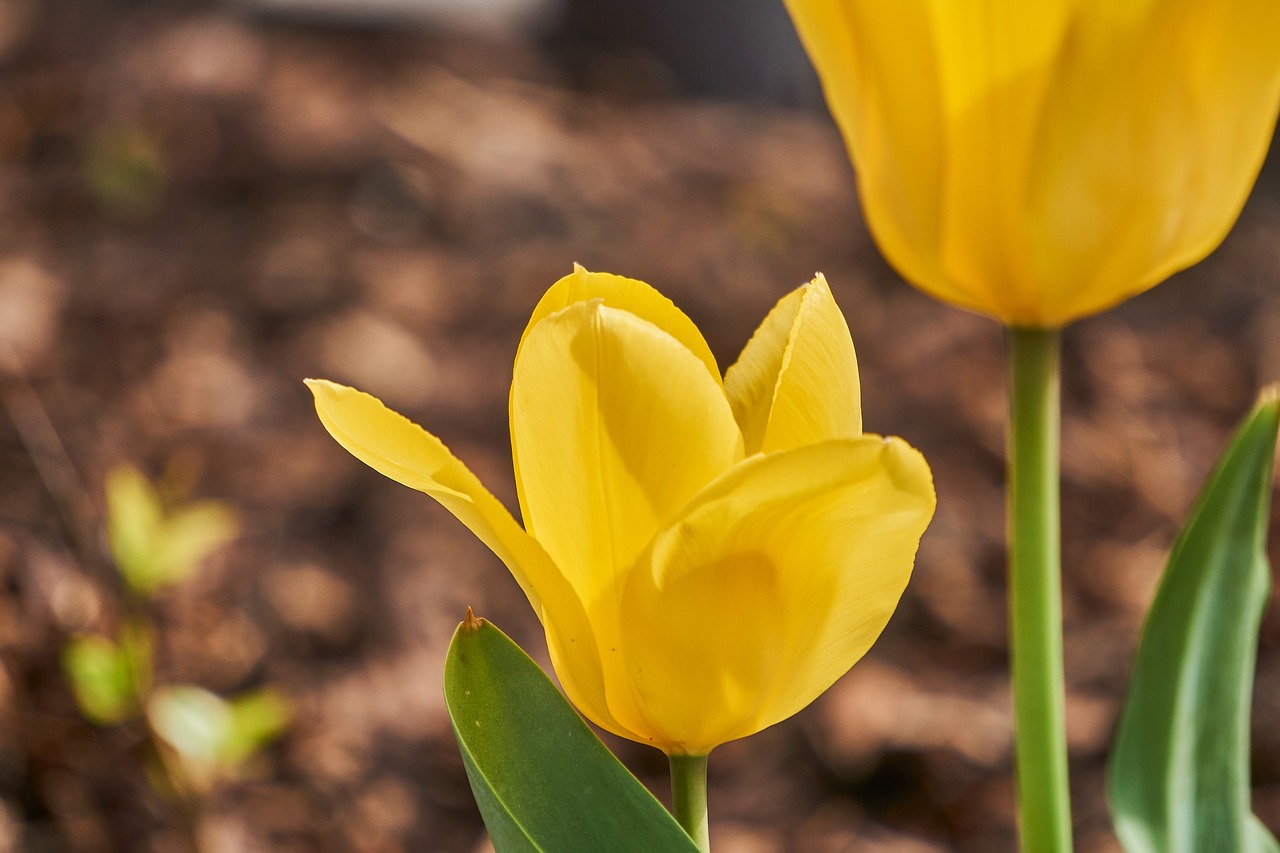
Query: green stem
[[689, 797], [1035, 592]]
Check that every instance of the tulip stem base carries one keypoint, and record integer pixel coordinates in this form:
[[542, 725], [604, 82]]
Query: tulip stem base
[[689, 797], [1035, 591]]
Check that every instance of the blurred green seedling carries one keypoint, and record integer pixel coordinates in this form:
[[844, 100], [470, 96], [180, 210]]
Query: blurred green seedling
[[109, 677], [154, 547], [198, 739], [209, 737], [124, 168]]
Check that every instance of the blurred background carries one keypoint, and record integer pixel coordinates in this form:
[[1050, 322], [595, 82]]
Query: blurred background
[[201, 203]]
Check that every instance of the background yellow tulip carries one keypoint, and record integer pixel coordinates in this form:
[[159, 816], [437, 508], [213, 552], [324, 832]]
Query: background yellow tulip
[[1040, 162]]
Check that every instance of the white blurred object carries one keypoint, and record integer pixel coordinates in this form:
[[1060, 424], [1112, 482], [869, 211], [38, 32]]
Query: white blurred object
[[484, 16]]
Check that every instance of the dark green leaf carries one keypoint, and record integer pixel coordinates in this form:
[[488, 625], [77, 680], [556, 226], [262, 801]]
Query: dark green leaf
[[1179, 774], [542, 780]]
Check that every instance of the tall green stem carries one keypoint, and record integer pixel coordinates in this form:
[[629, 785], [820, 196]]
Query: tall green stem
[[689, 797], [1035, 591]]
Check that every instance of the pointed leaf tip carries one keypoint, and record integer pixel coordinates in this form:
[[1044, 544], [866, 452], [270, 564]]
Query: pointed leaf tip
[[470, 622]]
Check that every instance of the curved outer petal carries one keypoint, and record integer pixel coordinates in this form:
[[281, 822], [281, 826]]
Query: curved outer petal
[[1132, 186], [397, 448], [796, 382], [1043, 161], [881, 79], [615, 426], [627, 294], [775, 581]]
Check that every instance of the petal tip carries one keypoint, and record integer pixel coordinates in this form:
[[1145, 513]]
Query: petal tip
[[319, 388], [909, 468], [319, 385], [328, 392]]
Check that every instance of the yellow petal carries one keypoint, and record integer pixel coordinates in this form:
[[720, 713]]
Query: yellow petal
[[627, 294], [615, 425], [398, 448], [1151, 139], [776, 580], [880, 75], [1040, 162], [996, 66], [796, 382], [938, 103]]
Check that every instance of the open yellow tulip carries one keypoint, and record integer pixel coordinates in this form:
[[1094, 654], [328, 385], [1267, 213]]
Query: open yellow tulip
[[707, 556], [1043, 161]]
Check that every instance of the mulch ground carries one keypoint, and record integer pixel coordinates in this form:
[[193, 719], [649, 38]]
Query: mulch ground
[[200, 210]]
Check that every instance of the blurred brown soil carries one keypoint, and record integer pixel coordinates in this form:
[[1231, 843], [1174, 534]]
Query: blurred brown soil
[[200, 210]]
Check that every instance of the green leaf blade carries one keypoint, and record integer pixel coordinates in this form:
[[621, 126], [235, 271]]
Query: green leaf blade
[[1263, 840], [189, 536], [542, 780], [101, 679], [194, 723], [1179, 773], [154, 547], [257, 718], [135, 520]]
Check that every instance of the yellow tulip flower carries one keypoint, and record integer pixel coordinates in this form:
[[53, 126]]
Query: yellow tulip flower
[[1043, 161], [707, 556]]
